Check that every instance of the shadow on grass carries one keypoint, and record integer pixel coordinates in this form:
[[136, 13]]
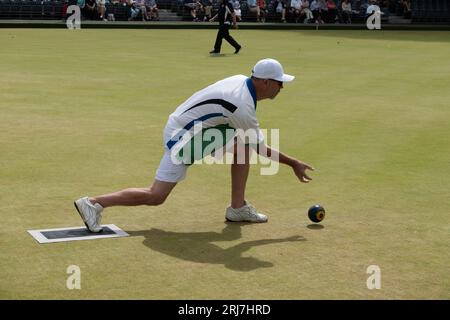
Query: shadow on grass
[[222, 55], [198, 246], [314, 226]]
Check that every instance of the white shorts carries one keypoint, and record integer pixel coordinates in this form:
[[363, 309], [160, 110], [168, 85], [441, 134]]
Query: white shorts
[[169, 171], [100, 2]]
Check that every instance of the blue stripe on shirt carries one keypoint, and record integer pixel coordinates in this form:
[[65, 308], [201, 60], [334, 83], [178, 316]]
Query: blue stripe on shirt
[[187, 127], [252, 89]]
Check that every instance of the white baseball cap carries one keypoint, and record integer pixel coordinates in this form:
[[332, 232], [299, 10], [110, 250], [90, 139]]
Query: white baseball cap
[[270, 69]]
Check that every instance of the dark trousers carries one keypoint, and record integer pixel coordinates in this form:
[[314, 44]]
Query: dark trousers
[[224, 33]]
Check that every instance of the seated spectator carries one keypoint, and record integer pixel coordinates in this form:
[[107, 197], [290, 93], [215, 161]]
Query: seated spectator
[[140, 4], [331, 11], [398, 7], [346, 7], [89, 9], [262, 10], [101, 9], [152, 9], [318, 8], [406, 9], [208, 8], [305, 13], [80, 3], [134, 9], [295, 8], [253, 7], [196, 10], [280, 7], [237, 10], [372, 7]]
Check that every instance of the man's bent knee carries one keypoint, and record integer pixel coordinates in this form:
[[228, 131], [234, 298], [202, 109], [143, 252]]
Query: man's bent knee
[[158, 200], [158, 192], [154, 199]]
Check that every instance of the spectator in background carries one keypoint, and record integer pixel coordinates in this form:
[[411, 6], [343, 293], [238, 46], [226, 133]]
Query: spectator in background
[[253, 7], [101, 9], [80, 3], [372, 8], [295, 8], [323, 10], [237, 10], [262, 10], [346, 7], [398, 7], [134, 9], [280, 7], [89, 9], [317, 8], [305, 13], [197, 10], [64, 14], [152, 9], [140, 4], [406, 9], [207, 8], [331, 11]]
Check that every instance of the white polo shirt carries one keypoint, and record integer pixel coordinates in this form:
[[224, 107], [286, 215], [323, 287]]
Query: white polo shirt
[[227, 104]]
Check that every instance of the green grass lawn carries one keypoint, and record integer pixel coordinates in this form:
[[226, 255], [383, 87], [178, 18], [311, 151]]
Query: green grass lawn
[[82, 113]]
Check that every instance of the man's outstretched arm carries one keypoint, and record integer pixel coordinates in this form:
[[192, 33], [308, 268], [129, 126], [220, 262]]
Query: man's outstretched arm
[[298, 166]]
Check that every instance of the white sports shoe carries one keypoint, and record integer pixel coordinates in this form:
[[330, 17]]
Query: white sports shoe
[[90, 213], [246, 213]]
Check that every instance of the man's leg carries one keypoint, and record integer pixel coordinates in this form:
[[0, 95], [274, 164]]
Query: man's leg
[[239, 175], [230, 39], [152, 196], [90, 209], [240, 210], [218, 43]]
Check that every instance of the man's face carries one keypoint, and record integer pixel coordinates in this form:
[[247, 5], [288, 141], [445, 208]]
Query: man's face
[[273, 87]]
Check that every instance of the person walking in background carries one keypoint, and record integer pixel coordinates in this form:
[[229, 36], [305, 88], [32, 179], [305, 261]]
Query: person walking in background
[[226, 17]]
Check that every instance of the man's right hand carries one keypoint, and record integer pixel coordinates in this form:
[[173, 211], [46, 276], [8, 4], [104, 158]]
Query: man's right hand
[[300, 171]]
